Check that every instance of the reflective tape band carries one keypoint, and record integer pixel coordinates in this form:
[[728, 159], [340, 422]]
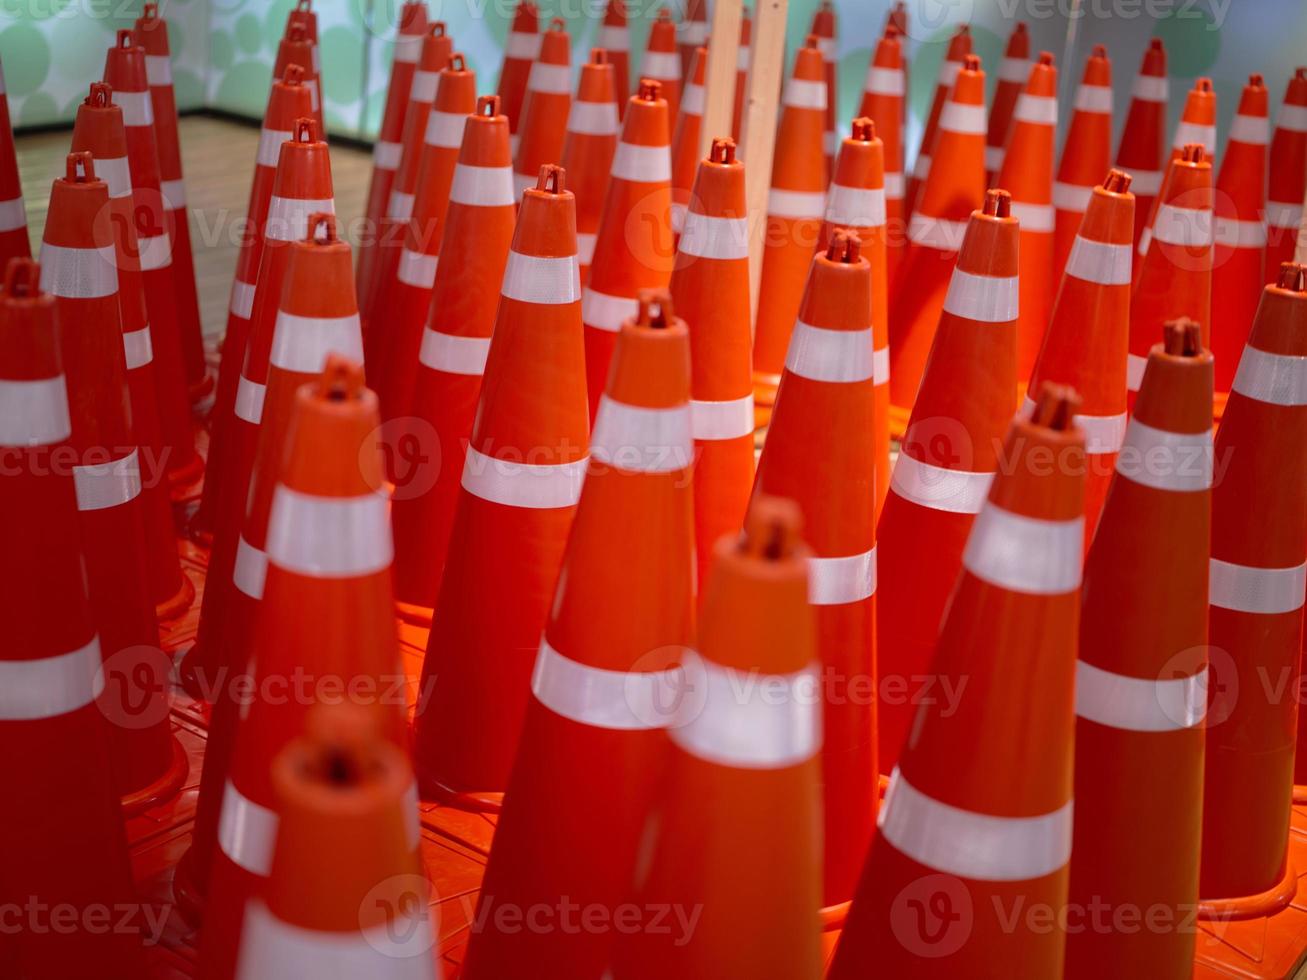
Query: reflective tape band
[[796, 205], [1140, 704], [155, 252], [137, 348], [749, 720], [1094, 98], [693, 32], [948, 73], [1013, 70], [921, 169], [445, 129], [880, 366], [288, 217], [994, 158], [424, 85], [315, 96], [1145, 239], [612, 37], [1188, 227], [642, 440], [136, 106], [1187, 132], [837, 356], [1100, 262], [1255, 130], [101, 486], [885, 81], [1292, 118], [270, 141], [803, 94], [1234, 233], [329, 537], [242, 299], [174, 194], [836, 581], [401, 206], [1278, 379], [396, 947], [13, 213], [593, 118], [1150, 88], [973, 846], [1175, 461], [1146, 183], [855, 207], [1037, 110], [939, 488], [117, 173], [664, 65], [1025, 554], [937, 233], [1135, 365], [712, 421], [482, 187], [158, 70], [454, 355], [549, 79], [585, 246], [536, 486], [958, 117], [247, 831], [642, 164], [34, 413], [417, 269], [79, 273], [1249, 589], [742, 58], [986, 299], [249, 400], [302, 343], [605, 312], [1034, 217], [894, 186], [547, 281], [522, 46], [626, 701], [408, 49], [386, 155], [692, 99], [51, 686], [710, 237], [250, 571], [1284, 214]]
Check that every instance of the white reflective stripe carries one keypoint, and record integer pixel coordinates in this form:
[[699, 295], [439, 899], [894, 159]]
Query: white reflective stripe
[[13, 213], [796, 205], [270, 141], [1025, 554], [1135, 365], [939, 488], [1239, 234], [424, 85], [1175, 461], [401, 206], [661, 65], [994, 158], [137, 348], [1038, 110], [386, 155], [626, 701], [1099, 262], [836, 581], [742, 57], [482, 187], [592, 118], [959, 117], [676, 215], [34, 413], [1150, 88], [78, 273], [710, 237], [1292, 118], [605, 312], [315, 97], [454, 355], [1034, 217], [302, 343], [549, 281], [948, 73], [250, 572], [537, 486], [937, 233], [1093, 98], [820, 354], [247, 831], [549, 79], [880, 366], [1013, 70], [712, 421], [803, 94], [398, 948], [417, 269], [885, 81], [692, 99], [249, 400], [52, 686], [158, 70], [1284, 214], [613, 37], [1140, 704], [585, 246], [523, 46], [329, 537], [174, 194], [1072, 197], [523, 181], [117, 173], [1182, 226], [1145, 239], [155, 252], [644, 164], [1146, 183], [1187, 132], [445, 129], [288, 217], [921, 169], [693, 32], [642, 440], [988, 299], [1278, 379], [1246, 588], [749, 720], [1255, 130], [242, 299], [894, 186], [855, 207], [136, 106], [101, 486], [408, 49], [973, 846]]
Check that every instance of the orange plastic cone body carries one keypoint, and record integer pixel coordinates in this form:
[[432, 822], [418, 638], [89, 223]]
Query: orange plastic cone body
[[1239, 231], [327, 616], [962, 841], [592, 129], [62, 826], [545, 109], [795, 206], [1259, 560], [1288, 175], [1197, 120], [1140, 151], [685, 140], [1028, 174], [744, 776], [633, 249], [521, 49], [124, 70], [825, 29], [661, 62], [14, 243], [1088, 337], [959, 47], [303, 17], [615, 38], [623, 612], [520, 484], [78, 267], [1141, 681], [691, 34], [947, 462], [742, 58], [955, 187], [817, 453], [1014, 73], [1086, 154], [882, 103], [452, 358]]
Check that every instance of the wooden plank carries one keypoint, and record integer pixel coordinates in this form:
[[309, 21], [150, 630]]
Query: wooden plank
[[720, 72]]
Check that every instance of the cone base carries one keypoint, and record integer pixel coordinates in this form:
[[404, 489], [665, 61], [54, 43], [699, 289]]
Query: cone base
[[164, 788], [200, 390], [186, 888], [414, 615], [432, 789], [1274, 899], [188, 666], [175, 606]]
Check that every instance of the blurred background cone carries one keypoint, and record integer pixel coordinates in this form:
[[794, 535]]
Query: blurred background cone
[[826, 29], [661, 62], [543, 128], [1288, 175], [1140, 151], [14, 243], [1197, 120], [742, 58], [1013, 80], [1086, 154], [959, 46], [303, 16], [521, 49], [614, 37], [882, 103], [691, 33], [685, 139], [592, 128]]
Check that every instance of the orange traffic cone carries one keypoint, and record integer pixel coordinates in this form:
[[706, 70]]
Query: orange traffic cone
[[856, 201], [592, 125], [825, 29], [452, 359], [959, 47], [1175, 277], [661, 63], [1086, 155], [935, 232], [742, 57], [962, 840], [62, 842], [882, 102], [602, 682], [897, 19], [947, 460], [1239, 231], [1259, 557], [1141, 681], [1028, 173], [1088, 337], [1014, 73], [795, 206], [520, 483], [545, 109], [297, 48], [614, 38], [817, 454], [744, 776], [1288, 175], [303, 16], [13, 213], [691, 34], [685, 140], [344, 791], [1197, 121], [521, 49], [78, 268], [1140, 151], [633, 250], [326, 618]]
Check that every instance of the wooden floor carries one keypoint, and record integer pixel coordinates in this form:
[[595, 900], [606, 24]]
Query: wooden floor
[[218, 161]]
